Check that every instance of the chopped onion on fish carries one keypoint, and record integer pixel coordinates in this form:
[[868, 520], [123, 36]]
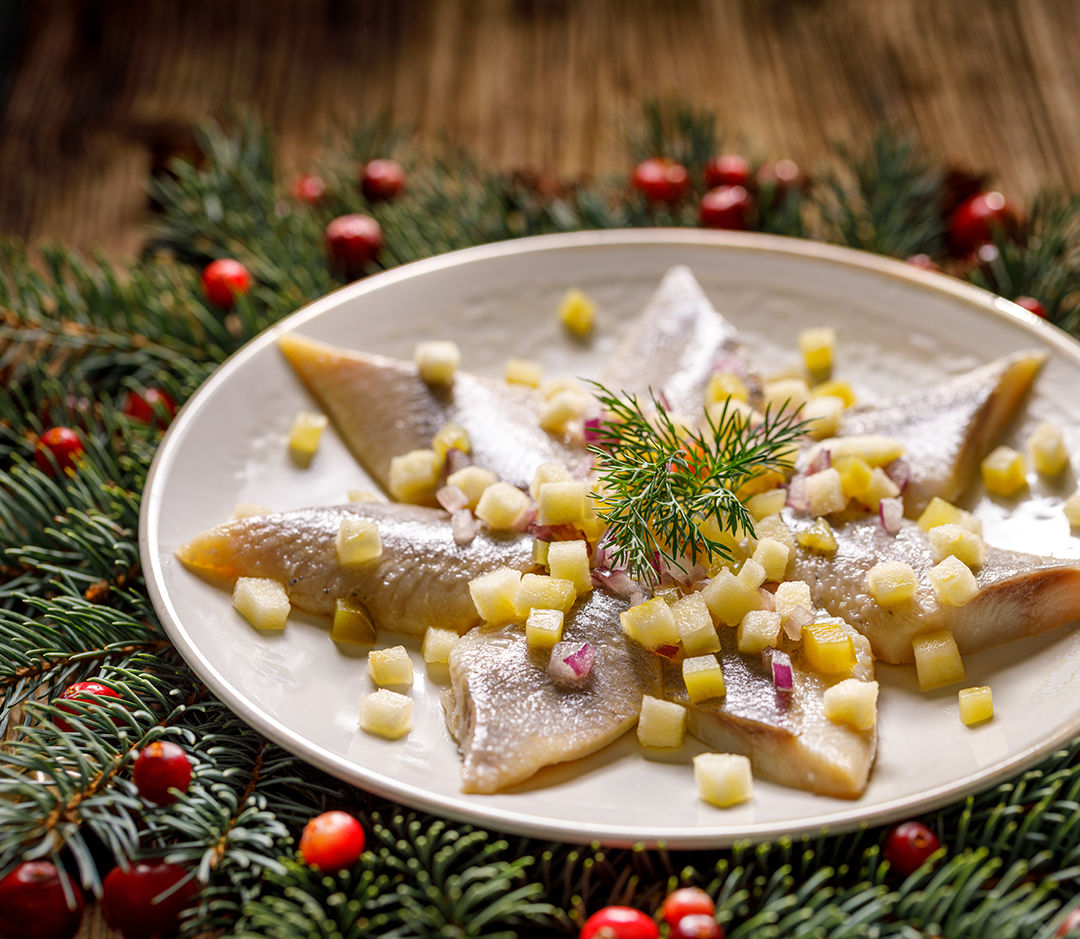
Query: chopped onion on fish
[[899, 472], [821, 461], [797, 496], [571, 663], [464, 526], [452, 498], [799, 617], [593, 432], [526, 519], [456, 460], [779, 665], [891, 513], [768, 599]]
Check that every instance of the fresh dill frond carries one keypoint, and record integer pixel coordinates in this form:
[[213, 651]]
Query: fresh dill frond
[[659, 483]]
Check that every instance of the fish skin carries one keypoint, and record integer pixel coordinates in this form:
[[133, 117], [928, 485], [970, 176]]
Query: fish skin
[[383, 408], [509, 718], [674, 346], [1019, 594], [789, 742], [421, 579]]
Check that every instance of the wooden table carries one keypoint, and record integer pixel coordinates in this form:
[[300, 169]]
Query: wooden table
[[99, 94]]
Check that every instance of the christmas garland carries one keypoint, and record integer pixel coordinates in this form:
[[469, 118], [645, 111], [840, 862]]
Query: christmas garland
[[121, 772]]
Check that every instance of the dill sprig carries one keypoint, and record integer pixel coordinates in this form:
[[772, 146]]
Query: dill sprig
[[661, 482]]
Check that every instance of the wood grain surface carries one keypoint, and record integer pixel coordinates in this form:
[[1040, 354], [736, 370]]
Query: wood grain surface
[[96, 94]]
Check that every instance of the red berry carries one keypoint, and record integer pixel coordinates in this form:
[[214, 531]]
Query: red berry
[[33, 905], [1031, 305], [977, 219], [382, 179], [781, 176], [159, 767], [82, 691], [352, 241], [697, 926], [908, 845], [128, 899], [661, 180], [150, 406], [619, 922], [223, 281], [923, 262], [727, 207], [64, 447], [309, 189], [1069, 924], [728, 170], [686, 901], [332, 841]]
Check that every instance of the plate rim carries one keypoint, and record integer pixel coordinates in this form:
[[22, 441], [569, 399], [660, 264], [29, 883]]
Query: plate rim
[[846, 817]]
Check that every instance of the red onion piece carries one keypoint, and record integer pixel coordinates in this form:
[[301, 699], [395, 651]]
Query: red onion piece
[[797, 496], [668, 652], [571, 663], [768, 600], [899, 472], [593, 432], [452, 499], [555, 532], [526, 519], [617, 582], [464, 526], [663, 400], [891, 513], [821, 461], [456, 459], [733, 364], [796, 619], [779, 665]]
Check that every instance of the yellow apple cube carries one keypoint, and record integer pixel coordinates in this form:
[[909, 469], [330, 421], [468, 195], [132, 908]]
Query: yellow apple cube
[[262, 602], [1047, 448], [357, 541], [351, 623], [449, 437], [500, 505], [940, 512], [773, 556], [855, 475], [695, 625], [875, 449], [651, 623], [937, 660], [437, 361], [569, 560], [543, 628], [724, 385], [364, 495], [493, 595], [828, 648], [786, 394], [817, 537], [729, 599], [752, 573], [725, 411], [791, 594], [249, 510], [524, 372], [414, 477], [766, 503], [473, 481], [1004, 471], [390, 666], [852, 702], [823, 413], [836, 389], [662, 724], [959, 541], [304, 437], [1071, 509], [953, 582], [562, 502], [976, 704], [577, 312], [723, 779], [774, 526], [825, 492], [758, 630], [538, 591], [387, 714], [562, 409], [438, 644], [817, 347], [703, 677], [880, 487], [892, 583]]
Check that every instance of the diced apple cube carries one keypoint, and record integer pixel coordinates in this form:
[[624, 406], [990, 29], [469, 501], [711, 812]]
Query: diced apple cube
[[855, 475], [472, 480], [562, 409], [307, 431], [703, 677], [390, 666], [723, 779], [766, 503], [262, 602], [358, 541], [562, 502], [414, 476], [940, 512], [1047, 448], [543, 627], [937, 660], [836, 389], [875, 449], [880, 487], [1004, 472], [451, 436], [953, 582], [817, 347], [386, 713], [752, 573], [351, 623], [438, 644], [724, 385], [852, 702], [817, 537], [721, 412], [828, 648], [493, 595], [825, 492], [651, 623], [786, 394], [569, 560], [577, 312], [500, 505], [538, 591], [758, 630], [791, 594], [549, 472], [248, 510], [891, 583], [774, 526], [661, 724], [956, 540], [976, 704], [524, 372], [695, 625], [437, 361], [553, 386], [1071, 509], [729, 599], [364, 495], [822, 412], [773, 556]]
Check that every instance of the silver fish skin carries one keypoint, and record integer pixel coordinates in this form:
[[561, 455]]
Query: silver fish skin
[[383, 408], [1019, 594], [421, 579], [787, 737], [675, 346], [511, 720]]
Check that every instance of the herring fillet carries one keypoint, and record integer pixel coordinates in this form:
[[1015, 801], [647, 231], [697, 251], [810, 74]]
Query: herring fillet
[[675, 345], [1019, 594], [383, 408], [788, 738], [421, 579], [511, 720]]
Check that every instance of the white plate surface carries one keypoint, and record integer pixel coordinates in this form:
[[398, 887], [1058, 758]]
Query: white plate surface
[[897, 328]]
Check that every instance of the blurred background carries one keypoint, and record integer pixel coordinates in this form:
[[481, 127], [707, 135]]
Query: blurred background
[[96, 94]]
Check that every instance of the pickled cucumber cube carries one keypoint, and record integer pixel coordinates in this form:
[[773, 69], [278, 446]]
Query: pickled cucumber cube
[[358, 541], [818, 537], [724, 385], [825, 492], [262, 602], [451, 436], [766, 503], [1072, 509], [891, 583], [351, 623], [773, 556], [562, 502], [562, 409], [695, 625], [662, 724], [729, 599], [852, 702], [976, 704], [650, 623], [788, 394], [438, 644], [493, 595], [823, 413], [523, 372], [569, 560], [757, 631], [500, 505], [1047, 448], [538, 591], [953, 582], [752, 573], [1004, 471], [304, 437], [386, 713], [703, 677], [828, 648], [390, 666], [549, 472], [958, 541], [879, 487], [414, 476], [838, 389], [437, 360], [577, 312], [723, 779], [937, 660], [543, 628], [817, 347], [472, 480], [540, 551], [940, 512]]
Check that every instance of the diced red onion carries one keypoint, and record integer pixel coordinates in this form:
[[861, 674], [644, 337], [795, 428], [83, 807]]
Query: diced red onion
[[617, 582], [768, 600], [456, 460], [822, 461], [554, 532], [779, 665], [526, 519], [668, 652], [796, 619], [594, 434], [899, 472], [452, 498], [797, 496], [663, 400], [464, 526], [891, 513], [571, 663], [733, 364]]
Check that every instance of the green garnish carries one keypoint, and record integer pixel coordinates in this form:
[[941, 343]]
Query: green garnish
[[660, 482]]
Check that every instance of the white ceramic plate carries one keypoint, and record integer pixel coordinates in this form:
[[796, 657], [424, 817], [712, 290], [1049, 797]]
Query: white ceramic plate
[[897, 327]]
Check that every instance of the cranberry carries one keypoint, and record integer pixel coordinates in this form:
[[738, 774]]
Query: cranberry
[[908, 845], [309, 189], [223, 281], [1069, 925], [619, 922], [977, 219], [129, 899], [923, 262], [686, 901], [159, 767], [660, 179], [82, 691], [150, 406], [332, 841], [728, 170], [727, 207], [58, 448], [382, 179], [1031, 305], [352, 241], [33, 905], [781, 176], [697, 926]]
